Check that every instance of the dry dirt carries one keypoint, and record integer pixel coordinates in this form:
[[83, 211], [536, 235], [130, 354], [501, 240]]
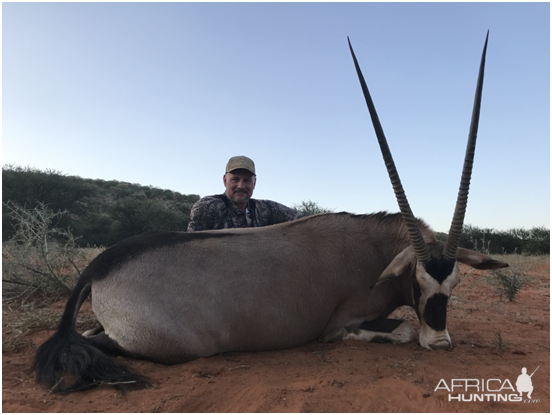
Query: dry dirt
[[347, 376]]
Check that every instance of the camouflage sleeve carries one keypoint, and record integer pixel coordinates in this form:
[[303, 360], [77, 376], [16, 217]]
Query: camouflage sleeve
[[279, 213], [203, 214]]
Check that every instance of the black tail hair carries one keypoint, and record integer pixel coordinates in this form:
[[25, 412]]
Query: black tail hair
[[67, 354]]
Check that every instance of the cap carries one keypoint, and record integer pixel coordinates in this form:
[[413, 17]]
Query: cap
[[240, 162]]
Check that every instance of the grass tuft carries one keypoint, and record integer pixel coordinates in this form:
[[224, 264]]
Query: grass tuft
[[499, 342]]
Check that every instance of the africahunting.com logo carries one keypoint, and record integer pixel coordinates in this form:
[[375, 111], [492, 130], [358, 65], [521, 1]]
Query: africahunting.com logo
[[490, 390]]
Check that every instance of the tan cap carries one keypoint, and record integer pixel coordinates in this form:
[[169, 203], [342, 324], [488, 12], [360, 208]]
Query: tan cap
[[240, 162]]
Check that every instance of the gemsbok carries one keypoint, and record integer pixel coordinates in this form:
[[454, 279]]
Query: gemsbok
[[171, 297]]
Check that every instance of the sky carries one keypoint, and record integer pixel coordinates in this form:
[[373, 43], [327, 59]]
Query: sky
[[163, 94]]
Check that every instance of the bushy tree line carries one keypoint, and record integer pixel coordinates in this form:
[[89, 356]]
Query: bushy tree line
[[97, 212], [101, 213], [535, 241]]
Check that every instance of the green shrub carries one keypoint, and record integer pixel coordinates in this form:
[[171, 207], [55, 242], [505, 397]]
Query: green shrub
[[311, 208], [509, 284]]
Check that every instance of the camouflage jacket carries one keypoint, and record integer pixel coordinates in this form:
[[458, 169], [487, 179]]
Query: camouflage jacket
[[218, 212]]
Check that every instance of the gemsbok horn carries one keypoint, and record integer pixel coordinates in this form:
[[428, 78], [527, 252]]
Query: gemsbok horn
[[451, 247]]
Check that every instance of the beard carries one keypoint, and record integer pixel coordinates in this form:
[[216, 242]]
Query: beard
[[240, 196]]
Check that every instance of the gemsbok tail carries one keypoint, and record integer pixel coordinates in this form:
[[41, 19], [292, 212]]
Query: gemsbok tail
[[69, 362]]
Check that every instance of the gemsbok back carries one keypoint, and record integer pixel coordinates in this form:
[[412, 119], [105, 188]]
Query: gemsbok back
[[171, 297]]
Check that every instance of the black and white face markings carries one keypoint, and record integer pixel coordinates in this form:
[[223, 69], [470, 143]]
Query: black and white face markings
[[431, 289]]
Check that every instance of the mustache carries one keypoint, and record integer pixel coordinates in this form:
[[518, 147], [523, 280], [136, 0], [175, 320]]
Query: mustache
[[240, 191]]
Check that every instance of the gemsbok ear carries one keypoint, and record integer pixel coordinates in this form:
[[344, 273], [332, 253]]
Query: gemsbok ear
[[477, 260], [400, 265]]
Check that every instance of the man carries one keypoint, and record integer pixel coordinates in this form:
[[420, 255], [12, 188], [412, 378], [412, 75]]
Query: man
[[235, 208]]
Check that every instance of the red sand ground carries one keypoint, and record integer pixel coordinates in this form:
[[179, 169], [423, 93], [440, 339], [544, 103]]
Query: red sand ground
[[348, 376]]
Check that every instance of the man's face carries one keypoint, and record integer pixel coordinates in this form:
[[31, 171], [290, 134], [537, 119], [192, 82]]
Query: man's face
[[239, 185]]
